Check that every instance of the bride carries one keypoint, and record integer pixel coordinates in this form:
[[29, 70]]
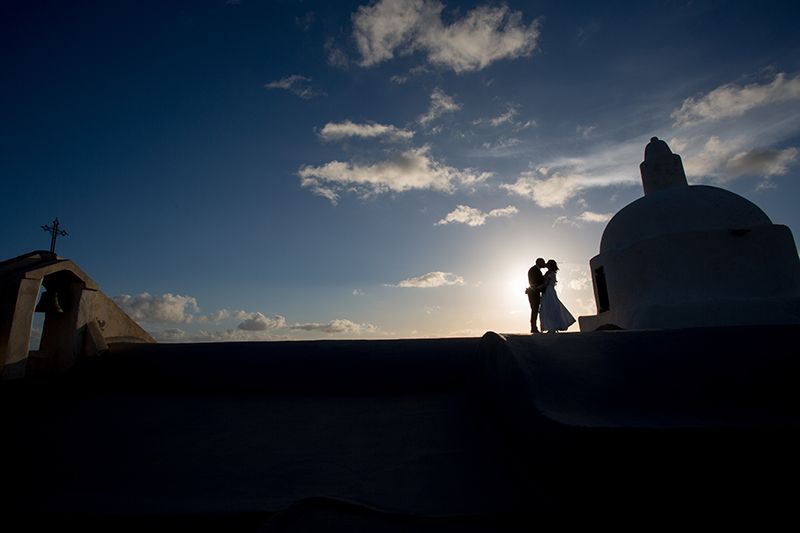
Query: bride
[[552, 314]]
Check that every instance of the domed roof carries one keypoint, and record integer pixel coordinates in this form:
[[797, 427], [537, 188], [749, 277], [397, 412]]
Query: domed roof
[[680, 210]]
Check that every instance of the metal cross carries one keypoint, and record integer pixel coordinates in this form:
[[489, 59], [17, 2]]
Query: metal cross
[[55, 232]]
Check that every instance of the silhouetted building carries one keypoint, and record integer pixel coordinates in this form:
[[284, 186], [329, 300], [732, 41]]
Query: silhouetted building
[[692, 255], [79, 319]]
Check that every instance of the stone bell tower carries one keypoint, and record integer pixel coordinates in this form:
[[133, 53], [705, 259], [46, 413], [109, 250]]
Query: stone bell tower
[[80, 321]]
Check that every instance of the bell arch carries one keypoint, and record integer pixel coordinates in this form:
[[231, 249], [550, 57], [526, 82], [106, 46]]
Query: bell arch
[[79, 319]]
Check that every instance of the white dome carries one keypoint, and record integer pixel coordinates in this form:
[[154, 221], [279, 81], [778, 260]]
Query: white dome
[[680, 210]]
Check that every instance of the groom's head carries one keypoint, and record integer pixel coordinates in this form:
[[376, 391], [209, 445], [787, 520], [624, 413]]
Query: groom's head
[[540, 263]]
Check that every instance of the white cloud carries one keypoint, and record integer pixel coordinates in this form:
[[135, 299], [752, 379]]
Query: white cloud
[[502, 144], [441, 103], [167, 308], [358, 292], [523, 126], [216, 317], [555, 182], [599, 218], [342, 130], [506, 117], [430, 280], [585, 131], [259, 322], [711, 151], [463, 214], [296, 84], [380, 28], [228, 335], [548, 190], [725, 159], [400, 79], [340, 325], [731, 100], [564, 220], [260, 328], [411, 169], [483, 35]]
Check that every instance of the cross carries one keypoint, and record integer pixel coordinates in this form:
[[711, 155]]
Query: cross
[[55, 232]]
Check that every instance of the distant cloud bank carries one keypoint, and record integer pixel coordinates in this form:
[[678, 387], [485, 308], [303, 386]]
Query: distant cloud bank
[[336, 326], [176, 309]]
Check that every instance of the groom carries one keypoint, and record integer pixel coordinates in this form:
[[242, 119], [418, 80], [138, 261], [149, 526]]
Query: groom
[[534, 290]]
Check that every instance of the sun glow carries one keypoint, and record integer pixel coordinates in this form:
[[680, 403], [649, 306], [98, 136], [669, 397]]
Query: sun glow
[[510, 309]]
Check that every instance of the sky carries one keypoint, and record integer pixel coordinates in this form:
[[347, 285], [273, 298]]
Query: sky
[[243, 170]]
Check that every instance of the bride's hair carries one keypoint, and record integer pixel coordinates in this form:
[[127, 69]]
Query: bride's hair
[[552, 265]]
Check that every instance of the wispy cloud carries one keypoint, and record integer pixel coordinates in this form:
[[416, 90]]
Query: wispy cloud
[[400, 79], [711, 150], [408, 170], [564, 220], [441, 103], [482, 36], [342, 130], [585, 131], [306, 21], [732, 100], [430, 280], [464, 214], [334, 55], [552, 188], [597, 218], [296, 84], [505, 118], [503, 144], [587, 216]]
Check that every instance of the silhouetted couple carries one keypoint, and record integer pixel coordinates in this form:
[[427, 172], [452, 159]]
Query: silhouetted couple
[[544, 301]]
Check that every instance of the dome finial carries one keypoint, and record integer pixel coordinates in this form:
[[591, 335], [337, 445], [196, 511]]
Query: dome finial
[[661, 169]]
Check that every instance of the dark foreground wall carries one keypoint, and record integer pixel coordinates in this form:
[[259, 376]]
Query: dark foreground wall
[[429, 435]]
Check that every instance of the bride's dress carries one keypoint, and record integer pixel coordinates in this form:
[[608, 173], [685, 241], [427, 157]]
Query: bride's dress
[[552, 313]]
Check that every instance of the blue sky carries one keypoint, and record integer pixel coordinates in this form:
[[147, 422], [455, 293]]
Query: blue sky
[[267, 170]]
